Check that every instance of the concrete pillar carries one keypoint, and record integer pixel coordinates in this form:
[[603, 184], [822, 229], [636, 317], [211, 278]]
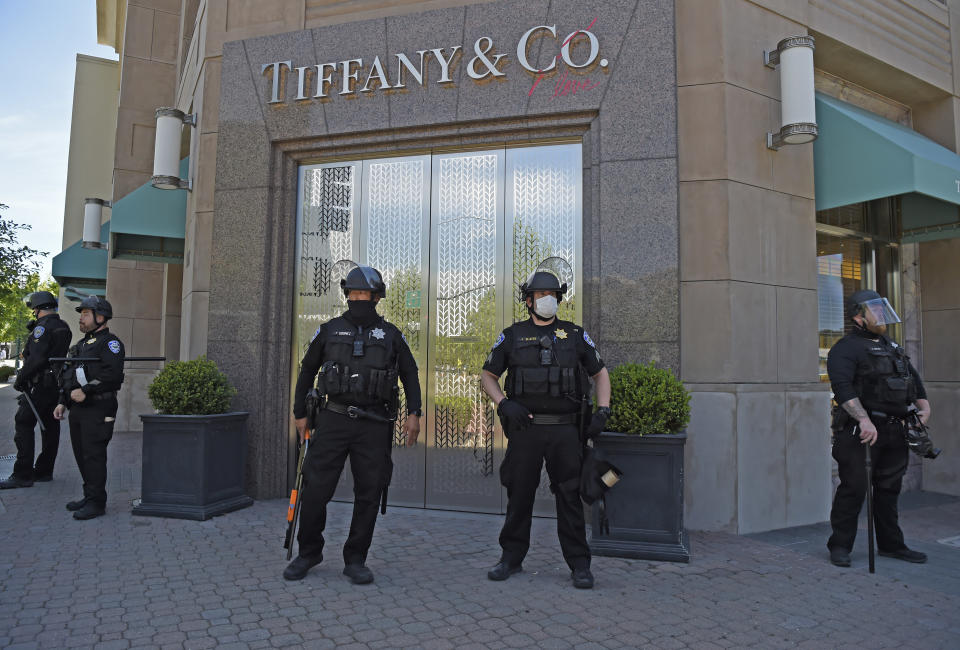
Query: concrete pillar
[[757, 453]]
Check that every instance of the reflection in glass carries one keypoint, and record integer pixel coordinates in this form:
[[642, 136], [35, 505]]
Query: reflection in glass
[[466, 323], [327, 213]]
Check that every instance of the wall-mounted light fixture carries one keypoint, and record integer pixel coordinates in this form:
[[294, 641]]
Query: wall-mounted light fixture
[[166, 150], [798, 115], [92, 216]]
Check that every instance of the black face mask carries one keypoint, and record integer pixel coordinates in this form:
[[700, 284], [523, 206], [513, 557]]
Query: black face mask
[[362, 312]]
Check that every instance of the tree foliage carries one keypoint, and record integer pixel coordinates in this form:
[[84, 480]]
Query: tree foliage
[[19, 276]]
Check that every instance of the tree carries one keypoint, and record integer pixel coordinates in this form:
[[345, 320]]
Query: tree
[[19, 276]]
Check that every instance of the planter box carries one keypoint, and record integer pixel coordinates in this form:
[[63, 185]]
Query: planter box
[[193, 465], [645, 509]]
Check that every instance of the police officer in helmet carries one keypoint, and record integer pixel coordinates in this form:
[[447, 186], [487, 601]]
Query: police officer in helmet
[[359, 357], [89, 391], [548, 362], [873, 384], [49, 337]]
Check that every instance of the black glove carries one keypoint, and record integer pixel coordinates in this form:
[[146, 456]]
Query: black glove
[[598, 421], [19, 385], [513, 415]]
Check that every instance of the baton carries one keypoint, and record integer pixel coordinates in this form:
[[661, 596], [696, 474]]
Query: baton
[[80, 359], [34, 409], [869, 467], [293, 510]]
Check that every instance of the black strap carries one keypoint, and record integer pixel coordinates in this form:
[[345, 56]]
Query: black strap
[[555, 418]]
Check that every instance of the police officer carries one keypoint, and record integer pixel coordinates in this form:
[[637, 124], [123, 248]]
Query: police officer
[[873, 383], [90, 393], [50, 337], [547, 362], [359, 356]]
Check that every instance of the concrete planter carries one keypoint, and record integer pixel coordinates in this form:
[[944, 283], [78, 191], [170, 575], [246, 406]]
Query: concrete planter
[[193, 465], [645, 509]]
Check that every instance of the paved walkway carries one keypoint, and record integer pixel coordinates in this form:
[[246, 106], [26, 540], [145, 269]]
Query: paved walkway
[[121, 581]]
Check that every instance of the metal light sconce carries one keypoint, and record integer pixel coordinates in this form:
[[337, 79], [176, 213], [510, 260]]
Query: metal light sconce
[[798, 115], [166, 150], [92, 216]]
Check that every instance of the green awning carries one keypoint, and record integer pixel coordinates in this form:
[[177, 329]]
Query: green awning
[[83, 268], [860, 156], [149, 224]]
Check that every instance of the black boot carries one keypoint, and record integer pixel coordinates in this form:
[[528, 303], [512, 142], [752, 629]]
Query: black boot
[[297, 569], [90, 510], [73, 506], [15, 482], [359, 574], [905, 554], [503, 570], [839, 556], [582, 578]]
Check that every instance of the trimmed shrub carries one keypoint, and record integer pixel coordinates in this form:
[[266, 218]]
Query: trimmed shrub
[[6, 372], [647, 400], [194, 387]]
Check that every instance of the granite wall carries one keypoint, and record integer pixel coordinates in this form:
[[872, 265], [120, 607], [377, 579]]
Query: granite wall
[[624, 111]]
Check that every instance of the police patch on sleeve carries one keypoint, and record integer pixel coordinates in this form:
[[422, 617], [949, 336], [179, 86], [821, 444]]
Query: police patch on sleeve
[[499, 340], [586, 337], [114, 346], [38, 331]]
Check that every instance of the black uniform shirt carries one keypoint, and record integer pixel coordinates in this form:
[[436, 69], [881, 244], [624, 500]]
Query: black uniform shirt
[[587, 355], [313, 359], [102, 376], [847, 360], [49, 338]]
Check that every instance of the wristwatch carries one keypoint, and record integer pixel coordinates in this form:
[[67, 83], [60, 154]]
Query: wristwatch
[[418, 413], [605, 410]]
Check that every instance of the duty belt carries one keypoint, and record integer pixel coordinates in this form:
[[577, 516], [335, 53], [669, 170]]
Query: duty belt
[[880, 415], [555, 418], [355, 412]]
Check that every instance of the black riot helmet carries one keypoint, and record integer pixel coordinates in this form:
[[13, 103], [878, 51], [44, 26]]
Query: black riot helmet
[[542, 281], [364, 278], [40, 300], [97, 305]]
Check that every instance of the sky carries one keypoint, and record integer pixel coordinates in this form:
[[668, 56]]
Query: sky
[[39, 42]]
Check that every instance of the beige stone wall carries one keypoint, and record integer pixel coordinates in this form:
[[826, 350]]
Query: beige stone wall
[[135, 288], [758, 435], [940, 283], [93, 128]]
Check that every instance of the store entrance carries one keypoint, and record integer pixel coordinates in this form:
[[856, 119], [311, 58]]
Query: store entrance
[[453, 234]]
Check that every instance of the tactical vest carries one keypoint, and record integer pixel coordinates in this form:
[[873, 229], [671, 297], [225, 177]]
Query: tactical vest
[[543, 367], [359, 363], [54, 326], [886, 384]]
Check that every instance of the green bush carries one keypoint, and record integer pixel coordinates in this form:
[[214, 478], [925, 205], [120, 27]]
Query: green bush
[[194, 387], [6, 372], [646, 399]]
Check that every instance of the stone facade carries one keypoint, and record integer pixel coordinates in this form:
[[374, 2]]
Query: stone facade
[[694, 233], [629, 157]]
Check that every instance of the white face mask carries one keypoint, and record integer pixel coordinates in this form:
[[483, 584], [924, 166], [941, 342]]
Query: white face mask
[[546, 307]]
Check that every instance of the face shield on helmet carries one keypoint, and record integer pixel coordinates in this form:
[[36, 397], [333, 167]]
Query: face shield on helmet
[[879, 311]]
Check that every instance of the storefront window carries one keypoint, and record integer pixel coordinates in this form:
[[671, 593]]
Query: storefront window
[[856, 249]]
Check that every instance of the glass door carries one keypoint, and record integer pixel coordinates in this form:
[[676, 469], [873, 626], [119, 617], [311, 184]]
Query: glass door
[[453, 235]]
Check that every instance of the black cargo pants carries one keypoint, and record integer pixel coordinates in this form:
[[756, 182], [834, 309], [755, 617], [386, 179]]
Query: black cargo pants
[[558, 445], [91, 428], [888, 457], [24, 436], [368, 444]]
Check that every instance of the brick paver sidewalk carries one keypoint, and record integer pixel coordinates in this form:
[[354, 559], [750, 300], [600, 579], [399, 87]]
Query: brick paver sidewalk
[[122, 581]]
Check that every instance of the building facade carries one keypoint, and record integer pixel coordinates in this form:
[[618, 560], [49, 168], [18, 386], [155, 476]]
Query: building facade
[[454, 145]]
